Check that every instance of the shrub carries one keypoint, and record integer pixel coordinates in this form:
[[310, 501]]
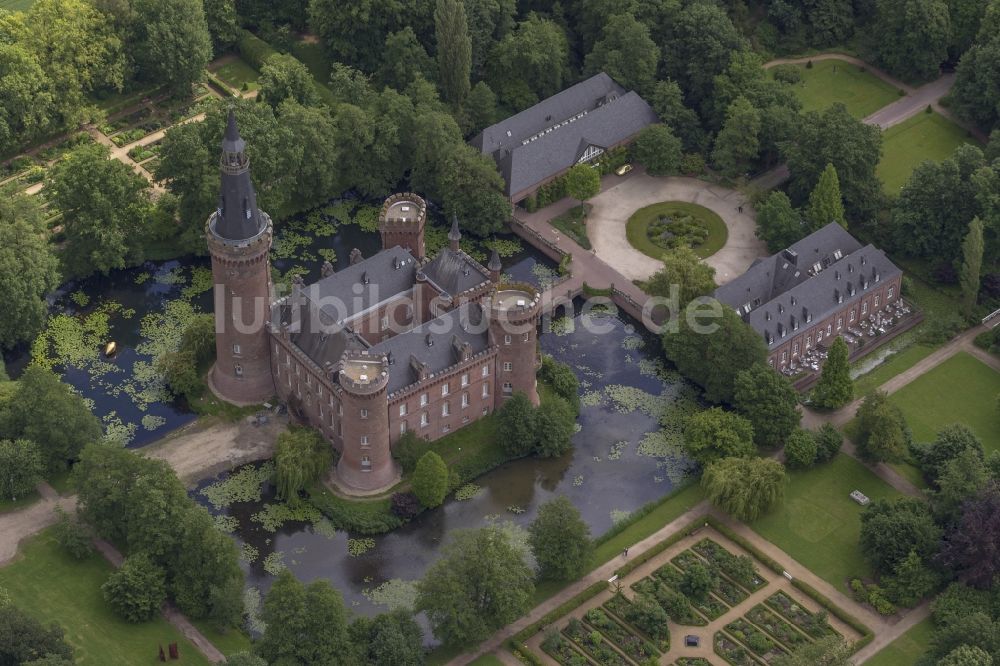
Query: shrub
[[858, 590], [516, 425], [22, 465], [693, 164], [554, 427], [254, 50], [405, 505], [562, 379], [828, 442], [408, 450], [430, 480], [787, 74], [137, 590], [941, 329], [800, 449], [72, 536]]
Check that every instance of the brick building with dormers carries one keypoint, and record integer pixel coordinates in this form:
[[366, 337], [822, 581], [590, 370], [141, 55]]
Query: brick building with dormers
[[392, 343], [814, 290]]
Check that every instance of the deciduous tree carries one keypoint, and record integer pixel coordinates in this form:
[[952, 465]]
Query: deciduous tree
[[555, 424], [738, 144], [403, 59], [835, 387], [911, 37], [829, 651], [21, 467], [285, 77], [951, 441], [667, 101], [388, 639], [825, 203], [769, 402], [471, 188], [516, 425], [454, 50], [626, 53], [301, 457], [972, 547], [174, 45], [136, 590], [305, 624], [560, 540], [532, 60], [26, 639], [882, 430], [778, 223], [658, 149], [977, 84], [685, 271], [972, 263], [890, 530], [716, 433], [828, 442], [582, 182], [430, 480], [744, 487], [479, 584], [800, 449], [702, 40]]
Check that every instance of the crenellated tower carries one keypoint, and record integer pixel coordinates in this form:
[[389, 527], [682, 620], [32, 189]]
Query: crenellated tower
[[401, 222], [365, 460], [239, 239], [514, 310]]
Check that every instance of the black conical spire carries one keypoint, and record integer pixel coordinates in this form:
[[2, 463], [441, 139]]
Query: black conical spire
[[237, 217], [495, 264]]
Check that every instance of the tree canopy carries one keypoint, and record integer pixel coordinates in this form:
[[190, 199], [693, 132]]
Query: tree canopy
[[560, 540], [769, 402], [744, 487], [715, 433]]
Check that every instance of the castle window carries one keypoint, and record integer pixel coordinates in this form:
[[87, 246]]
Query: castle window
[[795, 349], [364, 413], [506, 339], [864, 309], [446, 428], [423, 399], [507, 388], [364, 440], [239, 370], [331, 419], [445, 390], [507, 366], [840, 323], [402, 409], [853, 313], [486, 390], [784, 357], [366, 464], [526, 336], [876, 300], [809, 341], [424, 420], [275, 350], [486, 371], [445, 409], [829, 330], [892, 292], [465, 379], [340, 409], [385, 323], [236, 349], [465, 400], [402, 428]]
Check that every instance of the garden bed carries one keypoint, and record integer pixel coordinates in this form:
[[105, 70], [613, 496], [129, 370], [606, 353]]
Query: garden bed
[[559, 648], [734, 567], [814, 624], [751, 636], [656, 229], [634, 647], [143, 153], [731, 651], [777, 628], [657, 590], [573, 223], [626, 611], [593, 644], [692, 661]]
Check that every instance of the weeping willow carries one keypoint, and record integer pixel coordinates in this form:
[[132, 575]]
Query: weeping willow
[[301, 457], [744, 487]]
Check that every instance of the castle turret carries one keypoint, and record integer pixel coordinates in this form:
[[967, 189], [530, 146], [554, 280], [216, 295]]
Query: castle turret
[[239, 239], [366, 462], [401, 222], [514, 312], [495, 267], [454, 236]]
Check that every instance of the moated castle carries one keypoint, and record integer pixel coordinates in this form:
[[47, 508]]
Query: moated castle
[[392, 343]]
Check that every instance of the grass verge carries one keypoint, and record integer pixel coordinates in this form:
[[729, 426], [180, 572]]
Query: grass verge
[[636, 229], [907, 649], [818, 524], [925, 136], [828, 82], [48, 584], [573, 223]]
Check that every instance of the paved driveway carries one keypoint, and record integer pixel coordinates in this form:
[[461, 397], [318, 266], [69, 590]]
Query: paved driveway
[[613, 207]]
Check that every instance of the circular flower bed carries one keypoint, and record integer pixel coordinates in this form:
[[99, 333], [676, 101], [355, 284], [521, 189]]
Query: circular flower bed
[[656, 229]]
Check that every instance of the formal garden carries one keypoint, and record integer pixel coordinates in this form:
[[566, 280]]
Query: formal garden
[[822, 83], [696, 587], [659, 228]]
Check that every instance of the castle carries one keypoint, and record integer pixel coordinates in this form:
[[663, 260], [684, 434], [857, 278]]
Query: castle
[[392, 343]]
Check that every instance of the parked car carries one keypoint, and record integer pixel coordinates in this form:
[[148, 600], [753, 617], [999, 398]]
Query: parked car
[[623, 169]]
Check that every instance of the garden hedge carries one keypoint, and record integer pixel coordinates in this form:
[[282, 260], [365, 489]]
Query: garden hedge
[[254, 50], [516, 643]]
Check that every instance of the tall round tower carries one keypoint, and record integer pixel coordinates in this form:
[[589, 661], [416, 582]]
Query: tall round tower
[[239, 239], [366, 462], [401, 222], [514, 310]]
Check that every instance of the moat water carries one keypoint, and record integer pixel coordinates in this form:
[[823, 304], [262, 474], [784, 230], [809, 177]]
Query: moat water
[[625, 450]]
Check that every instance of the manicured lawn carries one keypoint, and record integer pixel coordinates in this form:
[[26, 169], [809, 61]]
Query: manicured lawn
[[830, 81], [907, 649], [230, 643], [818, 523], [236, 72], [637, 227], [925, 136], [16, 5], [963, 389], [573, 223], [890, 367], [55, 588]]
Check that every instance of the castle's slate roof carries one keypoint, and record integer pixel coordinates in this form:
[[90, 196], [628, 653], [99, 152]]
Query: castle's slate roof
[[807, 282], [454, 272], [461, 324], [237, 217], [354, 289], [551, 136]]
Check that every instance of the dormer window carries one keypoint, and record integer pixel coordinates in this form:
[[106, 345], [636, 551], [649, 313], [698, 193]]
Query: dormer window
[[837, 254]]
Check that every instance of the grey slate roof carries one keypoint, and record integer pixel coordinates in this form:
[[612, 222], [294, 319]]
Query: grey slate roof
[[786, 291], [596, 112], [237, 217], [453, 272], [356, 288], [441, 353]]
